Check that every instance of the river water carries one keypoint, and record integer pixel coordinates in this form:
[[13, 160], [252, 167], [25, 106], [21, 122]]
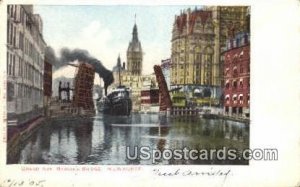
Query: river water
[[109, 139]]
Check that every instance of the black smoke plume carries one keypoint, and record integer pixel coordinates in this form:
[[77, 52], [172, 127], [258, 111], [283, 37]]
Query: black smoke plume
[[50, 56], [67, 55]]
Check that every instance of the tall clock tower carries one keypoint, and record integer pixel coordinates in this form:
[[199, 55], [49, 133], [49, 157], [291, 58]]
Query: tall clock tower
[[135, 54]]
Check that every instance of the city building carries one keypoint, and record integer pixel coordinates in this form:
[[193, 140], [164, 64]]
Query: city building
[[197, 39], [135, 84], [230, 21], [237, 76], [193, 66], [25, 63], [166, 67], [135, 54]]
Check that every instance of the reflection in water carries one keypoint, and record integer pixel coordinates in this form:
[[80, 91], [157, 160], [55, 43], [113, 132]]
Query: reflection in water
[[84, 141], [97, 141]]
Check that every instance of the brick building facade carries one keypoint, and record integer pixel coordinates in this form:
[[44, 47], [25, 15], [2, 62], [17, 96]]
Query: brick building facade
[[237, 76]]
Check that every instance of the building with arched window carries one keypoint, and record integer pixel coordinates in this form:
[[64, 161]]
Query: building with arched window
[[198, 37], [237, 76]]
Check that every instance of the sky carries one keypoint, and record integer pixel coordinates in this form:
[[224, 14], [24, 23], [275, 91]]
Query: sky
[[105, 31]]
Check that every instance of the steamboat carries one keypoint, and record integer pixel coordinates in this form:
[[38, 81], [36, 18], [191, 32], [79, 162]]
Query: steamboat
[[118, 102]]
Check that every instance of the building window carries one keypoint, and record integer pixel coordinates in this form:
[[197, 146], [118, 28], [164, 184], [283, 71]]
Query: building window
[[7, 34], [234, 110], [15, 12], [198, 58], [14, 65], [234, 84], [241, 99], [26, 71], [235, 72], [21, 41], [11, 10], [240, 110], [226, 72], [25, 45], [7, 63], [14, 37], [10, 65], [19, 66], [21, 15], [11, 34], [226, 109], [18, 90], [10, 91], [234, 98], [227, 85]]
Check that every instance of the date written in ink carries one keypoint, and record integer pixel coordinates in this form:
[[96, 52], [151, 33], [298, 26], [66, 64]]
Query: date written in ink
[[15, 183]]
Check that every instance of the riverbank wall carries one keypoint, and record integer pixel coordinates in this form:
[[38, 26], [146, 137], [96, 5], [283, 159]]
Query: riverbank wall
[[19, 133]]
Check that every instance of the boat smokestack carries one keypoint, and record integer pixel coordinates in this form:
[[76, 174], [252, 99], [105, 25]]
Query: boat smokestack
[[105, 89]]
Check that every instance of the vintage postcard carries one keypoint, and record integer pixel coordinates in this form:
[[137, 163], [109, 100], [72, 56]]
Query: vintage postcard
[[134, 93]]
